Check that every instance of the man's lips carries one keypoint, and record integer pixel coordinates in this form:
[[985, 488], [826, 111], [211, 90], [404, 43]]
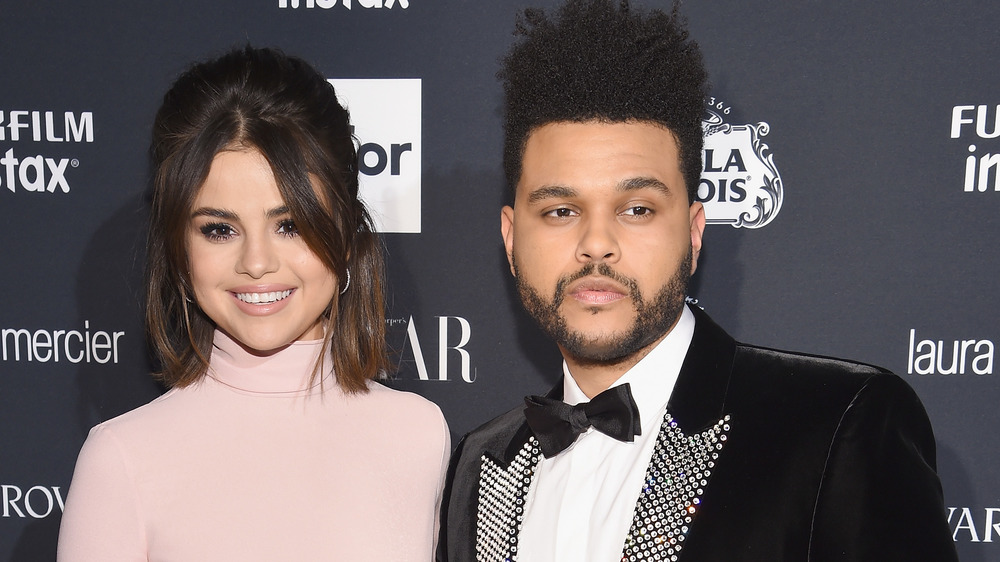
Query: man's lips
[[597, 291]]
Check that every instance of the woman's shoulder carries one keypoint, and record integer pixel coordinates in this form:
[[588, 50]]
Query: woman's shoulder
[[412, 418], [404, 403], [159, 415]]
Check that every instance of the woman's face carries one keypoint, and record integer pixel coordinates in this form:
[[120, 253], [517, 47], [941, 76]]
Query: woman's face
[[252, 273]]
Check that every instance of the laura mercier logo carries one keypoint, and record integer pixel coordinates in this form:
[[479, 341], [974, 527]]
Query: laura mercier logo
[[75, 346], [740, 185], [949, 357], [976, 124], [21, 170], [386, 114]]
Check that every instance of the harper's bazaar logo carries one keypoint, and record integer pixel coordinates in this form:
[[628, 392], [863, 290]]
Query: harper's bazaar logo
[[979, 525], [740, 185], [453, 360]]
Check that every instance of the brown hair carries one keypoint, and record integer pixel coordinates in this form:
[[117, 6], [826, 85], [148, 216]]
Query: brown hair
[[280, 106]]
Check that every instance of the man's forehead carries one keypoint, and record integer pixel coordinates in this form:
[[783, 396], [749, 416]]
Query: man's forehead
[[619, 156], [626, 185]]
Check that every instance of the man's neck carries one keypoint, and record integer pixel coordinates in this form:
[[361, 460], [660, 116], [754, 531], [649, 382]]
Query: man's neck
[[594, 378]]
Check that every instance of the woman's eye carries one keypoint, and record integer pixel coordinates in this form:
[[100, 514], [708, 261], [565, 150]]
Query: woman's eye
[[217, 231], [287, 227]]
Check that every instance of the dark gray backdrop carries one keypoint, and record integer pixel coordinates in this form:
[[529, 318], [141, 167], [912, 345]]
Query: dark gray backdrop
[[875, 237]]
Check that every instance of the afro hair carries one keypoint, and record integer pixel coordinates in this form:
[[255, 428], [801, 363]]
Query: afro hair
[[598, 60]]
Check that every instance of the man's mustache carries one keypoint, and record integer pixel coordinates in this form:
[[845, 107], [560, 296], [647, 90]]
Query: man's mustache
[[589, 269]]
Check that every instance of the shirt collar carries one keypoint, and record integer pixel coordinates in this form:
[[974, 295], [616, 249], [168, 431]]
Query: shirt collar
[[652, 378]]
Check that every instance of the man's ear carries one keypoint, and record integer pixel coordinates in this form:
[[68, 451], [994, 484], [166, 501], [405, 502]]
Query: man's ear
[[507, 231], [697, 218]]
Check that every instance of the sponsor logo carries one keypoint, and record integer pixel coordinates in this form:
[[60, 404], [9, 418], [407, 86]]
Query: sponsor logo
[[387, 117], [75, 346], [740, 185], [36, 502], [453, 361], [975, 123], [36, 172], [327, 4], [954, 357], [968, 525]]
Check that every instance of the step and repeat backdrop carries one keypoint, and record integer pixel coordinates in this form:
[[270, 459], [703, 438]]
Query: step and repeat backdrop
[[850, 180]]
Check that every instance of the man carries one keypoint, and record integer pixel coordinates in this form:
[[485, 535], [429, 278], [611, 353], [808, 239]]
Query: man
[[684, 444]]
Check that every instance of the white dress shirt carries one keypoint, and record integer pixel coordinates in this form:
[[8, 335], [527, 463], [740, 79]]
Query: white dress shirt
[[580, 504]]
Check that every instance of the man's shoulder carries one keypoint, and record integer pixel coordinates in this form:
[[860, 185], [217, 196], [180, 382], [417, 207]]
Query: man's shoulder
[[748, 355], [803, 374], [494, 435]]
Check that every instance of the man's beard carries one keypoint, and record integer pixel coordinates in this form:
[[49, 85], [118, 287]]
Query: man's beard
[[653, 318]]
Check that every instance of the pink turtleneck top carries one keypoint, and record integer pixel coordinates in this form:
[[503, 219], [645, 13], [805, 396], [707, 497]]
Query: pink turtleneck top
[[253, 463]]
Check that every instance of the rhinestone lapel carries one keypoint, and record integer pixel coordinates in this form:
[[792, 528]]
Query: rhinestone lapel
[[676, 478], [501, 503]]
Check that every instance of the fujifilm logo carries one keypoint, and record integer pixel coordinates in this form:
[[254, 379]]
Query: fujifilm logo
[[387, 117], [38, 126], [327, 4], [982, 168], [34, 172]]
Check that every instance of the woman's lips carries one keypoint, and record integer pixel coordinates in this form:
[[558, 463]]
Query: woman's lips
[[263, 298], [261, 301]]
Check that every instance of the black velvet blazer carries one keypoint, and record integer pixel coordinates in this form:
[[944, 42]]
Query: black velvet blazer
[[822, 459]]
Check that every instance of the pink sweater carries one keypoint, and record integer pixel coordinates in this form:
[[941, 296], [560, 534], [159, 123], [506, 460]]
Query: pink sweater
[[252, 464]]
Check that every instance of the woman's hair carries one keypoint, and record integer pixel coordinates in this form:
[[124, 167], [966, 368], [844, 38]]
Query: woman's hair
[[276, 104]]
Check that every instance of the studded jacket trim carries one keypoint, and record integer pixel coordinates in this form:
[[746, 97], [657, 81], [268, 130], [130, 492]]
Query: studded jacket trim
[[676, 479]]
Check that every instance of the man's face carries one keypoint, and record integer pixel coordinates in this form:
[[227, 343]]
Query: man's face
[[601, 238]]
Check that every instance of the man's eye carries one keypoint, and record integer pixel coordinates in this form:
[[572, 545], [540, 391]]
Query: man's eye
[[638, 211], [288, 228], [561, 213], [217, 231]]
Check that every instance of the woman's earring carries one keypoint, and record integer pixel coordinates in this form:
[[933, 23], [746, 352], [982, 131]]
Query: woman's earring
[[348, 283]]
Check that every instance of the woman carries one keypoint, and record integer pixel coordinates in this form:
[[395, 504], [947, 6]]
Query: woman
[[265, 308]]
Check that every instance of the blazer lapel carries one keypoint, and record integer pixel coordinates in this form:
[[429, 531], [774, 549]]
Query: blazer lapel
[[699, 395], [690, 442], [503, 485]]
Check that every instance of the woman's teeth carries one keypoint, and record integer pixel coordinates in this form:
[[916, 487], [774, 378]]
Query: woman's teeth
[[263, 298]]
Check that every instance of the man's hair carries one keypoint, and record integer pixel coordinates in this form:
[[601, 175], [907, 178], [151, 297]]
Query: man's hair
[[598, 60], [264, 100]]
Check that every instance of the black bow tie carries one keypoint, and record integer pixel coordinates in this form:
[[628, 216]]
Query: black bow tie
[[556, 424]]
